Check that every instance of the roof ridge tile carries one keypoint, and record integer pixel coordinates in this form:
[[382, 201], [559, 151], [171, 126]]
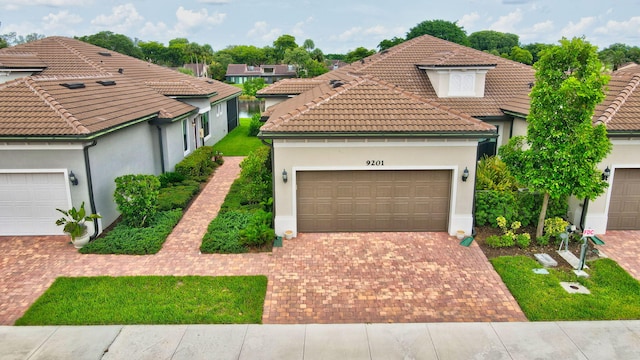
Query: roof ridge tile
[[48, 99], [619, 101], [60, 40]]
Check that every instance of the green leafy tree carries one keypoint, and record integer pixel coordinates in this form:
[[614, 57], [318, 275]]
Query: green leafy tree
[[114, 42], [442, 29], [358, 54], [619, 54], [308, 45], [521, 55], [536, 50], [562, 148], [251, 86], [137, 198], [3, 43], [153, 51], [488, 40], [389, 43], [282, 44]]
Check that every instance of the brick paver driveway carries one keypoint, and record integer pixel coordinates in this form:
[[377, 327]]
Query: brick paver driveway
[[314, 278]]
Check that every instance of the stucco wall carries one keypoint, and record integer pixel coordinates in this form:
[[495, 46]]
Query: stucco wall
[[396, 154], [132, 150], [624, 155], [219, 123]]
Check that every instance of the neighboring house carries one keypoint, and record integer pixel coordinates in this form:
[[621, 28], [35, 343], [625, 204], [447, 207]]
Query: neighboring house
[[619, 207], [199, 69], [382, 144], [240, 73], [78, 116]]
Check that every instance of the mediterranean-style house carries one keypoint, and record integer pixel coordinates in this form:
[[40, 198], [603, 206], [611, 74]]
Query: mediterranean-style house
[[240, 73], [390, 143], [74, 116]]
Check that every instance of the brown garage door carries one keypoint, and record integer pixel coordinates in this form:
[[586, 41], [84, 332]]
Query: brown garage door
[[624, 206], [377, 200]]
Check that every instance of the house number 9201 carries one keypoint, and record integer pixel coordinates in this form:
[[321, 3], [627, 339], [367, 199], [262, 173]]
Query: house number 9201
[[375, 162]]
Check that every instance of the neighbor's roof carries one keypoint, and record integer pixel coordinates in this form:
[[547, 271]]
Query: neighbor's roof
[[247, 70], [619, 111], [399, 66], [368, 105], [66, 56], [48, 108], [289, 87]]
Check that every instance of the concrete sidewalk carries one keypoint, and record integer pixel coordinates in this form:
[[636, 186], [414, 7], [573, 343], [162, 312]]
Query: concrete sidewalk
[[523, 340]]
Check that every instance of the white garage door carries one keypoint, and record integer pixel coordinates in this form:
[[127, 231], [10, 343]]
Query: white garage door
[[28, 203]]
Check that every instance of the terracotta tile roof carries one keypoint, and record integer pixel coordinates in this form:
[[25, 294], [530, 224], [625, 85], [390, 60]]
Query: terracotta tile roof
[[619, 111], [454, 58], [49, 109], [20, 61], [289, 87], [368, 105], [65, 56]]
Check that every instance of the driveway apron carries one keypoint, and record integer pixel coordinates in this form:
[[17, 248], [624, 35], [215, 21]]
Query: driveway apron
[[314, 278]]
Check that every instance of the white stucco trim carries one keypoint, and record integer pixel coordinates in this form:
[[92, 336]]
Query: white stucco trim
[[598, 221], [456, 222], [369, 143], [40, 146]]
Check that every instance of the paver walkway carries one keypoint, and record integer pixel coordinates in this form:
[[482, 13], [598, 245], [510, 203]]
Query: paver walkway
[[314, 278], [624, 248]]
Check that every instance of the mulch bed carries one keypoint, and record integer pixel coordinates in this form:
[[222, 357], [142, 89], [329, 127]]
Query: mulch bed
[[574, 247]]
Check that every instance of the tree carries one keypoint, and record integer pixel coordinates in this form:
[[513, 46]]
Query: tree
[[521, 55], [387, 44], [442, 29], [282, 44], [251, 86], [357, 54], [618, 54], [114, 42], [488, 40], [308, 45], [536, 50], [562, 148], [3, 43]]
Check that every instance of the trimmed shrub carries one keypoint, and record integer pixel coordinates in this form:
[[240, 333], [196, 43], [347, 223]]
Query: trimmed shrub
[[137, 198], [490, 204], [177, 196], [223, 233], [198, 164], [255, 176], [124, 239], [499, 241], [170, 178], [254, 126], [523, 240], [492, 174], [259, 230]]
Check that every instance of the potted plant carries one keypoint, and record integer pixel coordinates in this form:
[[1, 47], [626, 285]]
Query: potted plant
[[74, 224]]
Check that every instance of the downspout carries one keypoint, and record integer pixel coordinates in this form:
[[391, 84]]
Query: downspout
[[583, 216], [92, 200], [161, 148]]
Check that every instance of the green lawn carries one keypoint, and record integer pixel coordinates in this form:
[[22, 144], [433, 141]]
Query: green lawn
[[150, 300], [614, 294], [238, 142]]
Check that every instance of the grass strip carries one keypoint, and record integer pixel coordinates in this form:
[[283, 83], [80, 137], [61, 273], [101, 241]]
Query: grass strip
[[615, 295], [238, 142], [154, 300]]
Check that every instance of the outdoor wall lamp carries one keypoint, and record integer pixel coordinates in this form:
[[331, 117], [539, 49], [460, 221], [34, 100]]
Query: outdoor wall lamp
[[73, 179], [606, 174], [465, 174], [285, 178]]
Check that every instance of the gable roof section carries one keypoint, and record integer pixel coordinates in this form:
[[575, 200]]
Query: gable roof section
[[368, 105], [64, 56], [455, 58], [50, 109], [20, 61], [288, 87]]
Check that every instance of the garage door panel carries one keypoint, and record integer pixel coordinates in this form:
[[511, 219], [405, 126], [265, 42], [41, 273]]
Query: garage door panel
[[624, 204], [29, 202], [404, 200]]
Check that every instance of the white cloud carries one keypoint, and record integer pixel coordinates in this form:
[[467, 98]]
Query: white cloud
[[507, 23], [188, 19], [50, 3], [628, 27], [541, 30], [469, 20], [577, 29], [158, 31], [261, 29], [214, 2], [359, 33], [122, 18], [62, 22], [298, 30]]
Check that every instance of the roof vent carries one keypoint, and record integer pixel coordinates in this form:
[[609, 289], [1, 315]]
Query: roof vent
[[104, 53], [121, 71], [530, 85], [106, 82], [361, 61], [73, 85], [384, 51], [336, 84]]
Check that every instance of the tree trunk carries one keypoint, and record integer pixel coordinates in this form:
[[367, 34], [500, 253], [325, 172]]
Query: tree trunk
[[543, 214]]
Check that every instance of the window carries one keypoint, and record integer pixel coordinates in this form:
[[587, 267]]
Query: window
[[204, 124], [461, 84], [185, 132]]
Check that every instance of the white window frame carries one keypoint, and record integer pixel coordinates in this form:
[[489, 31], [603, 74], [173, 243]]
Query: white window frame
[[185, 136]]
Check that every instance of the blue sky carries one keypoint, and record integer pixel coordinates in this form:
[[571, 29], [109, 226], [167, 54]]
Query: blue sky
[[334, 26]]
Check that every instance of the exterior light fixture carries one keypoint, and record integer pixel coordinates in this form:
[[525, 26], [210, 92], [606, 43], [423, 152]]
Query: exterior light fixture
[[285, 178], [73, 179], [606, 174], [465, 174]]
